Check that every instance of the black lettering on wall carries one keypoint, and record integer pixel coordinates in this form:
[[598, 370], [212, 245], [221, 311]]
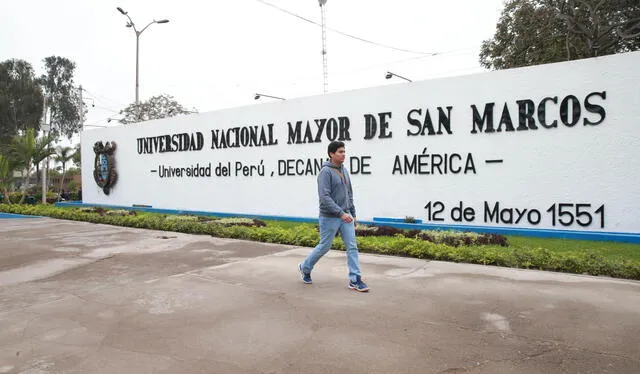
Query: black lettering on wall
[[542, 113], [505, 120], [295, 133], [344, 128], [444, 120], [575, 110], [486, 119], [371, 126], [595, 108], [425, 125], [332, 130], [320, 123], [526, 109], [384, 125], [414, 122], [175, 142], [170, 143]]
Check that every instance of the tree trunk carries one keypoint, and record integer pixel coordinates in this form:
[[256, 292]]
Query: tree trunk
[[568, 7], [48, 181], [25, 183]]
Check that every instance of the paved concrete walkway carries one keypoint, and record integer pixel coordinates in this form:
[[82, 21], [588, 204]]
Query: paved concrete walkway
[[83, 298]]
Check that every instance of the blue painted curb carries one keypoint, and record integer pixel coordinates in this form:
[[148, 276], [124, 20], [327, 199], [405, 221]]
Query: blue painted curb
[[621, 237], [14, 216]]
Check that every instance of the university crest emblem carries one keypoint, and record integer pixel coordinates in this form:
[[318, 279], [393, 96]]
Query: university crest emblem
[[104, 171]]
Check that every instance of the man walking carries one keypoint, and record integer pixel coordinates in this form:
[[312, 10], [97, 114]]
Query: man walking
[[337, 213]]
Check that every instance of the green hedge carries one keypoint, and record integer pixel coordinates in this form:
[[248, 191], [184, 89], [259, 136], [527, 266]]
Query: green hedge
[[306, 235], [14, 198], [450, 238]]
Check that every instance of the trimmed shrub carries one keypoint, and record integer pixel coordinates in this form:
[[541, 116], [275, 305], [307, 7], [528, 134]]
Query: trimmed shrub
[[30, 198], [450, 238]]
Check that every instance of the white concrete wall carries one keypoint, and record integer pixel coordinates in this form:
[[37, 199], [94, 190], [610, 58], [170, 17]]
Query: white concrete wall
[[582, 164]]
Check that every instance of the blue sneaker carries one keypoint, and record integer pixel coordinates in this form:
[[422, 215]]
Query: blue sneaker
[[358, 285], [306, 277]]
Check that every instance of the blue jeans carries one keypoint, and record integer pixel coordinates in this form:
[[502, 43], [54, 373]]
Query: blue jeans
[[329, 226]]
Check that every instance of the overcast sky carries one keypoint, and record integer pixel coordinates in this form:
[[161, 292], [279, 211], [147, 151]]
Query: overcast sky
[[215, 55]]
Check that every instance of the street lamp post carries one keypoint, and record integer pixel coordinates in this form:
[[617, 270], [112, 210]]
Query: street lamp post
[[44, 127], [138, 33], [390, 75], [259, 95]]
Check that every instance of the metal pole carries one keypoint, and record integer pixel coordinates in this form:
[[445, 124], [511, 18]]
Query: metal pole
[[325, 68], [44, 163], [81, 109], [44, 182], [132, 25], [137, 65]]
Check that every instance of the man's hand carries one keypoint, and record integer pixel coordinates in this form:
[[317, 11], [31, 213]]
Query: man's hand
[[347, 218]]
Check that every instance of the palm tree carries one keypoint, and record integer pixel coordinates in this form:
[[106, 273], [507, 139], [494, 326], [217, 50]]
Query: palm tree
[[25, 148], [43, 150], [63, 156], [6, 176]]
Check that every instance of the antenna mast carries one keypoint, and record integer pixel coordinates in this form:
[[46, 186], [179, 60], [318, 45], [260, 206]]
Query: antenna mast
[[325, 72]]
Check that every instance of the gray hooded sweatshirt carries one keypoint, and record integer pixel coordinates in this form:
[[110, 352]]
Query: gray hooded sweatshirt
[[334, 191]]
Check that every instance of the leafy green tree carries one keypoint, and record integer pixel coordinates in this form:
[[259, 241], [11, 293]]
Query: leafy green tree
[[21, 99], [533, 32], [157, 107], [6, 177], [63, 97]]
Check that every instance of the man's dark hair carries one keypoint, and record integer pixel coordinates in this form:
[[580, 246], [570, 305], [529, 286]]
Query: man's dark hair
[[334, 146]]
